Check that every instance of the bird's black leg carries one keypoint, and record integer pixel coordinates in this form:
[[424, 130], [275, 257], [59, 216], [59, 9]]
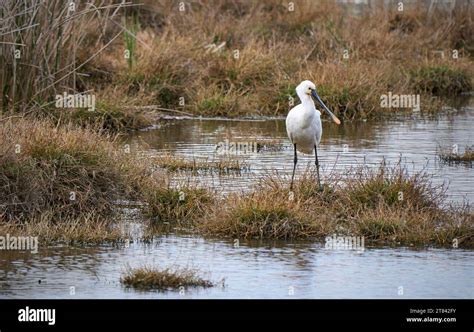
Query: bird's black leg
[[295, 160], [317, 167]]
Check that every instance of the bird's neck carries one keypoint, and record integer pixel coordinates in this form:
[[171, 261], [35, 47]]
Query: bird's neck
[[308, 103]]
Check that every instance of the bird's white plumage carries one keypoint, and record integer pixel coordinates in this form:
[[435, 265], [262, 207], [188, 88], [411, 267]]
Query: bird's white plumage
[[303, 123]]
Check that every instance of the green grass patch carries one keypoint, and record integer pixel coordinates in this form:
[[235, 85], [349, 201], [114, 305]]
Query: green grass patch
[[440, 80]]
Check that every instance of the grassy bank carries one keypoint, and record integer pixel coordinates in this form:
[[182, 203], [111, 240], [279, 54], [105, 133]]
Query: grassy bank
[[386, 206], [231, 59], [219, 64], [70, 170], [87, 229], [64, 182]]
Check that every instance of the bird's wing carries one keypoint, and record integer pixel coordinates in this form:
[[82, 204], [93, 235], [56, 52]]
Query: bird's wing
[[317, 128], [291, 121]]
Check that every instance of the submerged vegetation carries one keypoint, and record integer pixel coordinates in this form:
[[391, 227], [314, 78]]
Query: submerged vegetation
[[451, 156], [148, 278], [221, 166]]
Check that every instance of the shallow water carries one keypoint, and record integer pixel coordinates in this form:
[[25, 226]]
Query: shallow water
[[414, 141], [276, 269], [252, 270]]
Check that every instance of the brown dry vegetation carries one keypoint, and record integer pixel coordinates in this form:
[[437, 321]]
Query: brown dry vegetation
[[386, 206], [63, 183], [171, 59], [388, 51], [62, 168], [43, 166], [88, 229]]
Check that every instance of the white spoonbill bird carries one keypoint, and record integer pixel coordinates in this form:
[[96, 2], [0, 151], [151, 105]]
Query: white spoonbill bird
[[303, 124]]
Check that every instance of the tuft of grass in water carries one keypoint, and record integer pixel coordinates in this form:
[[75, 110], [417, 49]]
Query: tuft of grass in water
[[149, 278], [260, 215], [392, 187], [440, 80], [452, 157]]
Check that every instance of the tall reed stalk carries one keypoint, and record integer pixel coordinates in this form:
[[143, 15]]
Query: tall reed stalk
[[39, 46]]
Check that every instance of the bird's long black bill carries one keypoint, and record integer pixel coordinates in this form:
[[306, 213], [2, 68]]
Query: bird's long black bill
[[331, 114]]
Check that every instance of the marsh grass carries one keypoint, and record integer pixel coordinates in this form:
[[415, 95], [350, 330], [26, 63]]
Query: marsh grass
[[42, 43], [55, 175], [386, 205], [107, 116], [188, 62], [67, 171], [56, 178], [451, 157], [179, 207], [148, 278], [282, 48], [87, 229], [440, 80], [63, 184]]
